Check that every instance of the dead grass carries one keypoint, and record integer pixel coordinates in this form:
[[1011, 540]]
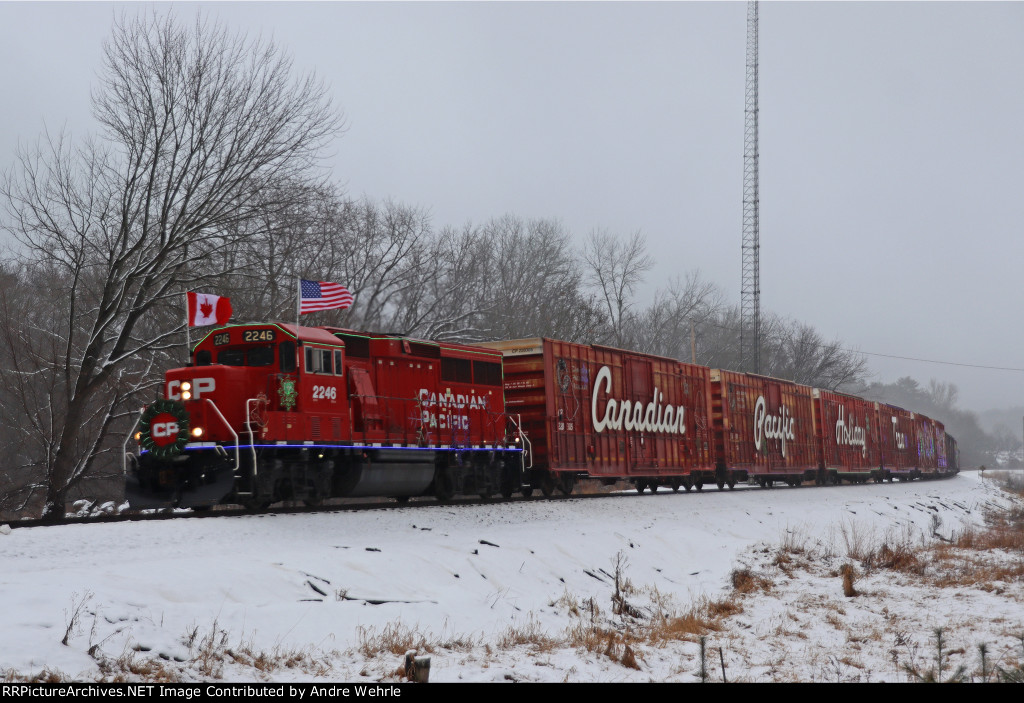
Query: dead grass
[[1009, 481], [529, 633], [1000, 536], [898, 556], [45, 676], [849, 574], [746, 581], [394, 638]]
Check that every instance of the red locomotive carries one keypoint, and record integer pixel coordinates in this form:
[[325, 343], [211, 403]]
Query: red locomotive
[[269, 412]]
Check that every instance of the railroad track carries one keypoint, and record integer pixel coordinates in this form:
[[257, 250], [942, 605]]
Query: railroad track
[[352, 505]]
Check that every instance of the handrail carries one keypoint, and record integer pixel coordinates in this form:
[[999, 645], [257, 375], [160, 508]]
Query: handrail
[[517, 421], [238, 461], [124, 447]]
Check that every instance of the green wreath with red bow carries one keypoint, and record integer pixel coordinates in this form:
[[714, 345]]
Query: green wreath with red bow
[[164, 429]]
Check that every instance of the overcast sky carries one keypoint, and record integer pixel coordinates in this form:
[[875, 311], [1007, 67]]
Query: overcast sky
[[890, 140]]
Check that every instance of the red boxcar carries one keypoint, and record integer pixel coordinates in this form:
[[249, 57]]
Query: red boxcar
[[898, 432], [764, 428], [848, 430], [607, 413], [928, 449], [941, 461]]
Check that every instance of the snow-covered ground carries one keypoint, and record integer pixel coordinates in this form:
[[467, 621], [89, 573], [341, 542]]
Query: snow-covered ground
[[523, 591]]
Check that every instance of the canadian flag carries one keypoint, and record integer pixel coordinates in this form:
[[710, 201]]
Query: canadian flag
[[205, 309]]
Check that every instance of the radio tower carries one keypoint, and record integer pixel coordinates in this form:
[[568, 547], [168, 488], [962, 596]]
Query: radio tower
[[750, 291]]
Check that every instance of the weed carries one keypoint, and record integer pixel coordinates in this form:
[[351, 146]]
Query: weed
[[77, 605], [934, 675]]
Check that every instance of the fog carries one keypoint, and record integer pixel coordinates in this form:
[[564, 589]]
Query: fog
[[890, 149]]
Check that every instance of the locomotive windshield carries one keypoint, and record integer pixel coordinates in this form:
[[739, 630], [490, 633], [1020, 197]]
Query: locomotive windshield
[[246, 356]]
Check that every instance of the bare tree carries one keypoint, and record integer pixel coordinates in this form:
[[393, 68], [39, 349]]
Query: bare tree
[[614, 268], [670, 326], [535, 282], [199, 125], [796, 351]]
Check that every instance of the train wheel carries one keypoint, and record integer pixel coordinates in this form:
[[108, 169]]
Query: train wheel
[[732, 484], [444, 488], [698, 483], [675, 483], [721, 484], [566, 483], [547, 484], [687, 484], [526, 491], [640, 486]]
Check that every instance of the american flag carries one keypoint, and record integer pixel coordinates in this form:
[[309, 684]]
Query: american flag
[[321, 295]]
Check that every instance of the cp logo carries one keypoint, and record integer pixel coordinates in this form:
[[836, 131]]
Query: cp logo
[[164, 429], [199, 387]]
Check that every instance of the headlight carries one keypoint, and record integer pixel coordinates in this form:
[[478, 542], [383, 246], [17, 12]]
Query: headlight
[[197, 431], [185, 395], [138, 436], [186, 386]]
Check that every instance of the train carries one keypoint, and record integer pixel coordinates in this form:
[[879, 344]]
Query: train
[[270, 412]]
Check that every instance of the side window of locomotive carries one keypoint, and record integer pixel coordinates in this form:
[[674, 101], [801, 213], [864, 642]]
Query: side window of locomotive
[[204, 357], [318, 360], [486, 373], [287, 357], [259, 356], [231, 357], [338, 368], [458, 370]]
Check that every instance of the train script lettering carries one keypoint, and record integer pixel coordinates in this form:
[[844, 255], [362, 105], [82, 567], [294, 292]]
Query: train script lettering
[[772, 426], [635, 416], [852, 436], [445, 411]]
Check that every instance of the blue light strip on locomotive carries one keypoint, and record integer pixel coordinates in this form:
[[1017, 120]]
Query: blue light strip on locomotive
[[354, 446]]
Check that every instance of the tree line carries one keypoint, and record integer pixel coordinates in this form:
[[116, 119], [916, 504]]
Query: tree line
[[206, 175]]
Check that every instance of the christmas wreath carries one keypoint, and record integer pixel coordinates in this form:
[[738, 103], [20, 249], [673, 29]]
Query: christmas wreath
[[164, 429]]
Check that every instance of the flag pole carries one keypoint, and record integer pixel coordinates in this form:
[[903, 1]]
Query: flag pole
[[298, 301], [188, 340]]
